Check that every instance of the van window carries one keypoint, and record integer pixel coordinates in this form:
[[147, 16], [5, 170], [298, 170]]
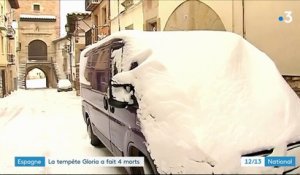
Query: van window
[[88, 69], [101, 70]]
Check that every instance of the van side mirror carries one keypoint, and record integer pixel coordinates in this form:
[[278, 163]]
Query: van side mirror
[[120, 95], [116, 103]]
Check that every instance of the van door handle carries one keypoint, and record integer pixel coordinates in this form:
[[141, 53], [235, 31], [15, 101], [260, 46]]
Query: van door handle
[[112, 109], [105, 103]]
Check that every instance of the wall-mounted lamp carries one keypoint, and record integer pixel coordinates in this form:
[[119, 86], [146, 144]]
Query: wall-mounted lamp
[[67, 28]]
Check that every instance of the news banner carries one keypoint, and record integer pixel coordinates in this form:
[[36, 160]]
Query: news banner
[[269, 161]]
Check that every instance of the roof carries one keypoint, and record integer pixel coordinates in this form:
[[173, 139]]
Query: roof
[[14, 4], [26, 17], [84, 14], [75, 16], [60, 39]]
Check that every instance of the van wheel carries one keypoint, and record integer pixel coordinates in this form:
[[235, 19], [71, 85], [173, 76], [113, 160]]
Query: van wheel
[[147, 167], [94, 139], [143, 170]]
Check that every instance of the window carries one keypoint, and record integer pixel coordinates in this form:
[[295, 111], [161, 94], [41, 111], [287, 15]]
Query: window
[[96, 28], [104, 19], [89, 68], [36, 7], [97, 69], [2, 45], [102, 70], [37, 50]]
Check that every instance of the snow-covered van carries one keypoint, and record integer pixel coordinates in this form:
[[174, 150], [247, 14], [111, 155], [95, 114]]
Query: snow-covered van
[[189, 102]]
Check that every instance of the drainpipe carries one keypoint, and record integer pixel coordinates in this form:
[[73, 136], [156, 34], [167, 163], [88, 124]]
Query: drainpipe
[[108, 19], [71, 49], [119, 15], [244, 28]]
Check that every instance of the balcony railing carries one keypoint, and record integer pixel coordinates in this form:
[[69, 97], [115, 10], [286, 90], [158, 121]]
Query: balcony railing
[[90, 5], [103, 32], [10, 58], [2, 22], [95, 34], [10, 32], [127, 3]]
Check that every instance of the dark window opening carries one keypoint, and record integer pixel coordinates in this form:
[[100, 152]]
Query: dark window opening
[[104, 18], [37, 50], [36, 7], [151, 26]]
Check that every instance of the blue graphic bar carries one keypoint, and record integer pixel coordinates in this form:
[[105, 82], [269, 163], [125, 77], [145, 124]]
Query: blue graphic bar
[[29, 161], [280, 161]]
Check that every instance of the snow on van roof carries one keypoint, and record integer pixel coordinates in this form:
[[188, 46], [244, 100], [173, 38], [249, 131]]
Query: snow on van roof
[[205, 98]]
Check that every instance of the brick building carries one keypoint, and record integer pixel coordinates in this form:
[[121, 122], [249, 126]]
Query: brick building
[[39, 25]]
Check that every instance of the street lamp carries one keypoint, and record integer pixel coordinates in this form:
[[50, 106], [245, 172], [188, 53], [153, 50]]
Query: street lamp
[[67, 28]]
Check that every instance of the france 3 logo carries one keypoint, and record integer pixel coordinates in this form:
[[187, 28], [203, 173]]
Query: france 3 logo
[[287, 17]]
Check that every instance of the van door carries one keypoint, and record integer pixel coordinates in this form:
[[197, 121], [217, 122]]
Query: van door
[[100, 63], [121, 118]]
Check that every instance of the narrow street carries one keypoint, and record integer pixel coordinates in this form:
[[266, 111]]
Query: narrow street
[[43, 122]]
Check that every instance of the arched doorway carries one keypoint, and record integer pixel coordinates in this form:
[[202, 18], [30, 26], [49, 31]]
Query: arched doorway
[[37, 50], [194, 15], [36, 79]]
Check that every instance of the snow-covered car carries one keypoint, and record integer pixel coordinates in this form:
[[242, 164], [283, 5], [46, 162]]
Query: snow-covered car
[[64, 85], [192, 102]]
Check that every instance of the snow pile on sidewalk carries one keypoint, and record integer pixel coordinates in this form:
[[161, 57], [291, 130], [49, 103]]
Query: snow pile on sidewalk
[[206, 98]]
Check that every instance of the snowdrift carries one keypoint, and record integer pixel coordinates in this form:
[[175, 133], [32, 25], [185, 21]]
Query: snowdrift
[[206, 98]]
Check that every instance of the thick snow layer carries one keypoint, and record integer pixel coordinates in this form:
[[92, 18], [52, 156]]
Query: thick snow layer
[[64, 84], [46, 123], [206, 98], [36, 83]]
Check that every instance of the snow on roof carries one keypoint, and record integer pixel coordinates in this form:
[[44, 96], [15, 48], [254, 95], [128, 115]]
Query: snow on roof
[[25, 16], [205, 98], [78, 13]]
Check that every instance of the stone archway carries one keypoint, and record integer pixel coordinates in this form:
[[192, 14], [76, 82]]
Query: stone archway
[[45, 69], [36, 79], [194, 15]]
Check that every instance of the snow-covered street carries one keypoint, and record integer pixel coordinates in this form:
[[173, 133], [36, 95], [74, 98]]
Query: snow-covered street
[[43, 122]]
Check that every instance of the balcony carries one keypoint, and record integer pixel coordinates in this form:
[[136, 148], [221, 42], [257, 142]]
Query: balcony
[[90, 5], [127, 3], [10, 58], [103, 32], [10, 32], [96, 34]]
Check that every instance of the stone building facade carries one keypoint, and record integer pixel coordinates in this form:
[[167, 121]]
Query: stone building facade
[[39, 25], [257, 21], [8, 37]]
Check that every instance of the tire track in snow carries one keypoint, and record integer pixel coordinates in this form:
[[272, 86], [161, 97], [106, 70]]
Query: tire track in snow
[[13, 113]]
